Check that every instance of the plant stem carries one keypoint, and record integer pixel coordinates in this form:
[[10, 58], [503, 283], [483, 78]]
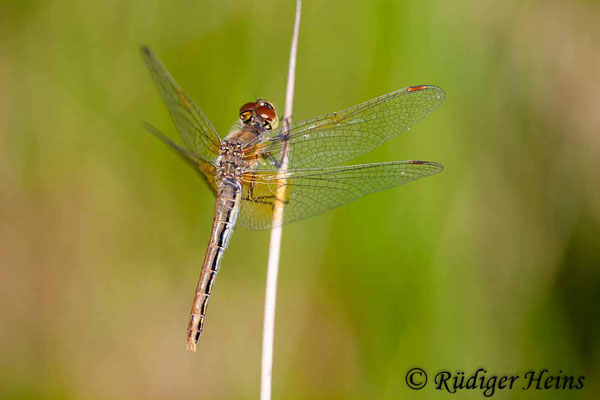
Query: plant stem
[[275, 241]]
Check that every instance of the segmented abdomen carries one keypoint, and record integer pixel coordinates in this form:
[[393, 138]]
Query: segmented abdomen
[[226, 212]]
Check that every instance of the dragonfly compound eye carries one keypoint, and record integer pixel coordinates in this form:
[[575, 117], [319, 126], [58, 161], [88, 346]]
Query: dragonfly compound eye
[[267, 112], [245, 116], [246, 111]]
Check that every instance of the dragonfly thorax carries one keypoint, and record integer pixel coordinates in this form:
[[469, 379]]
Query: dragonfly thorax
[[230, 164], [231, 148]]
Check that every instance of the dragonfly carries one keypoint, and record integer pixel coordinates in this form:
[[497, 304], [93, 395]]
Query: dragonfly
[[243, 169]]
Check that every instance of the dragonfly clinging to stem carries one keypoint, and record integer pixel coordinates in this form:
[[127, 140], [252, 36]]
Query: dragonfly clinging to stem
[[242, 169]]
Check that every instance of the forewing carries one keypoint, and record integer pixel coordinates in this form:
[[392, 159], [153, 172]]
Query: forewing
[[196, 130], [313, 191], [205, 169], [341, 136]]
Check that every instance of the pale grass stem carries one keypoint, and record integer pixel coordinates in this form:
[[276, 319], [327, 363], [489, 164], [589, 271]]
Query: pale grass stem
[[275, 241]]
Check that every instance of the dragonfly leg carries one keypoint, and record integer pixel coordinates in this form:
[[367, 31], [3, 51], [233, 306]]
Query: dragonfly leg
[[251, 194], [263, 199], [260, 199], [269, 157]]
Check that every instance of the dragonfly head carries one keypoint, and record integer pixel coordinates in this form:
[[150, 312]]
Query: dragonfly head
[[261, 114]]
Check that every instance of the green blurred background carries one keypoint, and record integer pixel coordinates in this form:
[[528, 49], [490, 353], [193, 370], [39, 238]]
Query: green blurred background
[[494, 263]]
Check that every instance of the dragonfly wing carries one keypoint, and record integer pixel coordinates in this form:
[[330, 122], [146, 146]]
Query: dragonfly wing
[[341, 136], [313, 191], [196, 130], [205, 169]]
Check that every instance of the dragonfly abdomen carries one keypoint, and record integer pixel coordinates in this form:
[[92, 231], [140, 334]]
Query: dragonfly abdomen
[[227, 208]]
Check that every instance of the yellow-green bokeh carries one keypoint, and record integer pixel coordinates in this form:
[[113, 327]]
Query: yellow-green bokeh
[[494, 263]]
